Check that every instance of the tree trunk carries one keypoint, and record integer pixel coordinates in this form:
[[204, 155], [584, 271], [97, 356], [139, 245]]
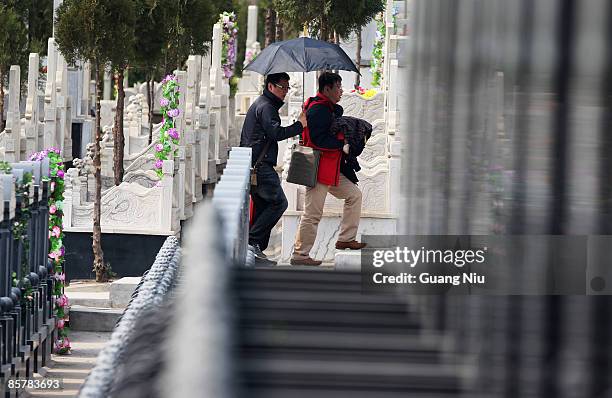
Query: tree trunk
[[150, 99], [336, 40], [358, 59], [1, 101], [270, 27], [98, 265], [323, 29], [118, 136], [279, 29]]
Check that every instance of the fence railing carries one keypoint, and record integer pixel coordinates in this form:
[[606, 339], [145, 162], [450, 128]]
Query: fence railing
[[27, 321], [231, 201], [156, 285]]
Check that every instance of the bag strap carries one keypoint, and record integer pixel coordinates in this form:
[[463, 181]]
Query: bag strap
[[311, 101], [262, 154]]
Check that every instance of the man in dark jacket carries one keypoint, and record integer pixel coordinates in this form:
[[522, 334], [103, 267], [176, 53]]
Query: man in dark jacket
[[261, 131], [334, 174]]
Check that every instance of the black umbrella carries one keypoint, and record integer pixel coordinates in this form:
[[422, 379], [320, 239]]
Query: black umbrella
[[301, 55]]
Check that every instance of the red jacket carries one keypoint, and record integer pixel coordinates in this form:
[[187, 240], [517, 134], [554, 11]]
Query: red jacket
[[329, 162]]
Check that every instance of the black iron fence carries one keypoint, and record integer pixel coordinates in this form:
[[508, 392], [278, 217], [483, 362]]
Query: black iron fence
[[27, 322]]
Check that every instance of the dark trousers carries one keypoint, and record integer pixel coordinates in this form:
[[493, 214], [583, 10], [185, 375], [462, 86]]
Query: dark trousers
[[269, 204]]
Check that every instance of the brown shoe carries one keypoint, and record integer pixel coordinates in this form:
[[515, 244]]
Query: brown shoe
[[352, 245], [306, 261]]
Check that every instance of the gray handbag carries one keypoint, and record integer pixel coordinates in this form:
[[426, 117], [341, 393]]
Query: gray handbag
[[304, 165]]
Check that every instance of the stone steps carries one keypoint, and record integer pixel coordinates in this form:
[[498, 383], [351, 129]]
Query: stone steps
[[311, 332], [348, 260], [102, 295], [94, 311], [89, 299], [93, 319], [73, 368]]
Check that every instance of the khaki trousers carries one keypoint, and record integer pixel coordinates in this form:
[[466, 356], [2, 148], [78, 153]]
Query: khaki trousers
[[313, 210]]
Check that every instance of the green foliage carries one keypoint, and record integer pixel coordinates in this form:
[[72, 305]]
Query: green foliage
[[5, 167], [37, 17], [349, 16], [189, 26], [152, 34], [323, 17], [168, 31], [13, 41], [99, 31], [241, 8]]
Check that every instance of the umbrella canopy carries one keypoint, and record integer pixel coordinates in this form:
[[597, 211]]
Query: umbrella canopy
[[301, 55]]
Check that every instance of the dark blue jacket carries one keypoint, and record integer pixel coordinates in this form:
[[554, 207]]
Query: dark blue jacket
[[262, 123]]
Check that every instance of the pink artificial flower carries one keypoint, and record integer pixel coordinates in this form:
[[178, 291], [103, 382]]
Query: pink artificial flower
[[56, 254], [60, 324], [159, 163], [52, 186], [56, 231], [62, 301], [173, 133], [159, 147], [60, 277], [62, 345], [60, 174], [164, 102], [52, 209]]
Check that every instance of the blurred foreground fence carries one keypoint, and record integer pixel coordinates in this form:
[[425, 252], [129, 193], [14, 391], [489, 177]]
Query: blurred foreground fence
[[509, 131], [509, 127]]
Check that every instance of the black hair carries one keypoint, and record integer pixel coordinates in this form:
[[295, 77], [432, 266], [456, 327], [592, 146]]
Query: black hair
[[276, 78], [328, 79]]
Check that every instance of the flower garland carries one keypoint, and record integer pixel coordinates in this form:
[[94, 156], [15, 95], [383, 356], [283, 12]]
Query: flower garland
[[378, 57], [377, 51], [230, 42], [169, 135], [56, 248]]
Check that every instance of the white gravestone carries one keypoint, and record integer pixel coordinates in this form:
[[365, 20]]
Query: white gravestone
[[207, 165], [31, 111], [12, 142]]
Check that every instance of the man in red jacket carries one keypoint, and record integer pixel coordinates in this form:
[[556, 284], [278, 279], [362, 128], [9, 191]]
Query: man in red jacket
[[334, 175]]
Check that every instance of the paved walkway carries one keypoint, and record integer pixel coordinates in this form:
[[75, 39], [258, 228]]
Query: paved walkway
[[74, 368]]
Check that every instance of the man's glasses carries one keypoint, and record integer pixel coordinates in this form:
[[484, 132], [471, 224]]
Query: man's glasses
[[286, 88]]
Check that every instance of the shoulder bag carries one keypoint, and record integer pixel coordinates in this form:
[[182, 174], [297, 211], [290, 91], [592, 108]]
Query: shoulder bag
[[303, 166]]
